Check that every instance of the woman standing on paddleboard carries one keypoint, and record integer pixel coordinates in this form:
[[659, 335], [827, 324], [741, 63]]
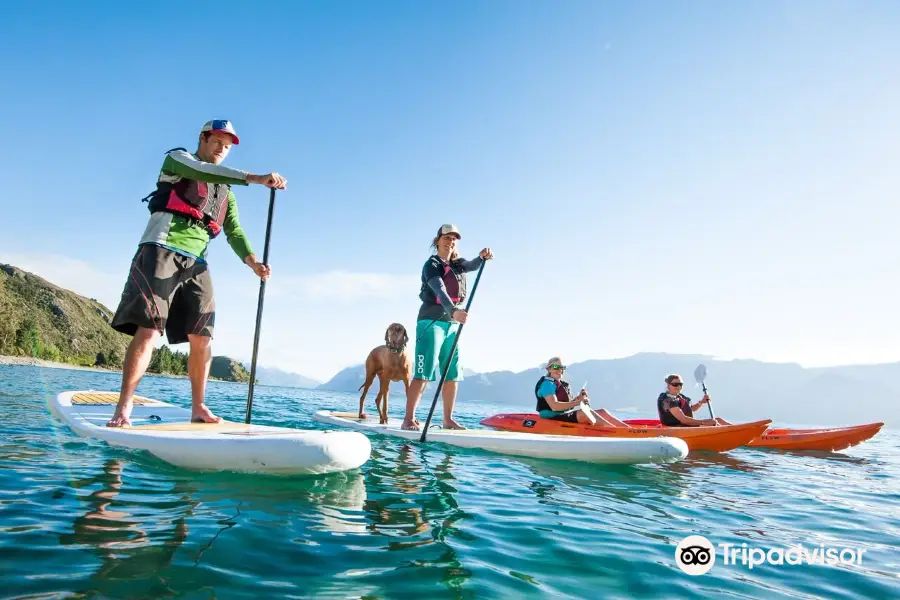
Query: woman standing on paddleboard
[[442, 293]]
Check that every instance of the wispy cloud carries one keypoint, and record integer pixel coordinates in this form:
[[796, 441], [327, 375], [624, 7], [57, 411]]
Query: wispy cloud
[[72, 274], [346, 286], [84, 278]]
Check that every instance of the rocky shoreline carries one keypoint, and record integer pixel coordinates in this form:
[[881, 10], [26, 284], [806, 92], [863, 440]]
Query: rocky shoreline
[[38, 362], [28, 361]]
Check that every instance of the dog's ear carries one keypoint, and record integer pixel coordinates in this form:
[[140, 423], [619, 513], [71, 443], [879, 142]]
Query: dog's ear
[[405, 337]]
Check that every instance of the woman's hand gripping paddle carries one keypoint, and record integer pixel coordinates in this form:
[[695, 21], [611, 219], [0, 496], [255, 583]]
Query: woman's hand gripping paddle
[[586, 409]]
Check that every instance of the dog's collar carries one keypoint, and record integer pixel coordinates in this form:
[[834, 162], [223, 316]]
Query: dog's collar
[[395, 349]]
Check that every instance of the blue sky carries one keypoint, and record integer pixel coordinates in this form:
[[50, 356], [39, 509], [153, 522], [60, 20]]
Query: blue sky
[[677, 177]]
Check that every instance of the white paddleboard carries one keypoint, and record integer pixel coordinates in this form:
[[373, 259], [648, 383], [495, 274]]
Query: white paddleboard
[[609, 450], [166, 431]]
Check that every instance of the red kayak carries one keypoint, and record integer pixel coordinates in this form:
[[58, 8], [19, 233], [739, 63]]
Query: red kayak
[[716, 439], [832, 440], [826, 439]]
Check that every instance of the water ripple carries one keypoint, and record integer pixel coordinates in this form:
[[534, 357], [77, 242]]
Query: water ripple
[[79, 518]]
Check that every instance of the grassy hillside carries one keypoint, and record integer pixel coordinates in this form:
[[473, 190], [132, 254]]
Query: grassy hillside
[[38, 318], [43, 320]]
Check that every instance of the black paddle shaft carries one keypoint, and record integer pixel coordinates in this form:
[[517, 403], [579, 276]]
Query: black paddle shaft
[[259, 306], [437, 392], [708, 404]]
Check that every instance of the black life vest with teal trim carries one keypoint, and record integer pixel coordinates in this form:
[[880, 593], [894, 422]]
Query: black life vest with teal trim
[[563, 393]]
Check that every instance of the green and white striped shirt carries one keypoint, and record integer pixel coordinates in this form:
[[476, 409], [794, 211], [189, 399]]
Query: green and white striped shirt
[[184, 235]]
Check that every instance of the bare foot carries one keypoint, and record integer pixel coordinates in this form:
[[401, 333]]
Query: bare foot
[[409, 425], [451, 424], [122, 416], [362, 415], [119, 421], [202, 414]]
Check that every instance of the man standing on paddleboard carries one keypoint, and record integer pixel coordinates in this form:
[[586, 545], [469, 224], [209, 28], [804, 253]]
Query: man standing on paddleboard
[[169, 287]]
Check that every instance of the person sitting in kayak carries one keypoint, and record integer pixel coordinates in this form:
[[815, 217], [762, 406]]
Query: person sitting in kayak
[[554, 399], [675, 409]]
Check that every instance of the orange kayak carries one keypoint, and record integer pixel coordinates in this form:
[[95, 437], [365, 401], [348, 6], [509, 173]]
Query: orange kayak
[[716, 439], [834, 439]]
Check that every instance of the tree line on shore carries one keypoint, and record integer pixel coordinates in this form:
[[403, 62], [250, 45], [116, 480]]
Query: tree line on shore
[[28, 340]]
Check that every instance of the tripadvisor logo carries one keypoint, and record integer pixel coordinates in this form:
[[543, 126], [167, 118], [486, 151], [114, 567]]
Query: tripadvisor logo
[[696, 555]]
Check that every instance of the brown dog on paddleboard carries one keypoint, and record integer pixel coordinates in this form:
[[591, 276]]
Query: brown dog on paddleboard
[[391, 362]]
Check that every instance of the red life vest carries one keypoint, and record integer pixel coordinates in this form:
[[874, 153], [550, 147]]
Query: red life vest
[[563, 393], [206, 203], [452, 283]]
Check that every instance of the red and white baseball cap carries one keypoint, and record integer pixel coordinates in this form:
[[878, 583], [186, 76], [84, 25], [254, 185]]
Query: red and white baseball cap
[[223, 125]]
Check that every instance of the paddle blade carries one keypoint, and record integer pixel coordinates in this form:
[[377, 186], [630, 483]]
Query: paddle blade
[[588, 414], [700, 373]]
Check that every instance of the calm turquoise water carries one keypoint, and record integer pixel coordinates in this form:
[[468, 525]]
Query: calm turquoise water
[[81, 519]]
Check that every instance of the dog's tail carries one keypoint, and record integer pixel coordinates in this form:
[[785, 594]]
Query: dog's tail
[[370, 378]]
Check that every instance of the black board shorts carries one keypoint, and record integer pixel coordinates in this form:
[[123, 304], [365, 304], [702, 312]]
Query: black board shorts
[[569, 416], [169, 292]]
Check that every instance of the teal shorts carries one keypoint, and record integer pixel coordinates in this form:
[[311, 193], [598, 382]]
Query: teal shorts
[[433, 342]]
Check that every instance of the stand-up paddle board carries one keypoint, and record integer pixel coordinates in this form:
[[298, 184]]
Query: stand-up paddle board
[[609, 450], [166, 431]]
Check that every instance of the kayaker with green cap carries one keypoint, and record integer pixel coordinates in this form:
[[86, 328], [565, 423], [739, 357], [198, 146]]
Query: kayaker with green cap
[[442, 292], [555, 400], [169, 288]]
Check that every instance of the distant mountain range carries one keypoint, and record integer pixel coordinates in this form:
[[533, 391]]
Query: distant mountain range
[[273, 376], [741, 390]]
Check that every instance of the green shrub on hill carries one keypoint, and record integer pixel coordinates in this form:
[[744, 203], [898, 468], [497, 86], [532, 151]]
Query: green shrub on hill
[[41, 320]]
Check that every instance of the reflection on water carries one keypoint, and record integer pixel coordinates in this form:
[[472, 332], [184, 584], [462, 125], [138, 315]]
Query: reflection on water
[[825, 455], [336, 500], [697, 460], [623, 482], [118, 535], [102, 526], [135, 526], [413, 500]]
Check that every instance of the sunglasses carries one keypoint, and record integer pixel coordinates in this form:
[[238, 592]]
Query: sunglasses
[[676, 384], [558, 367]]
